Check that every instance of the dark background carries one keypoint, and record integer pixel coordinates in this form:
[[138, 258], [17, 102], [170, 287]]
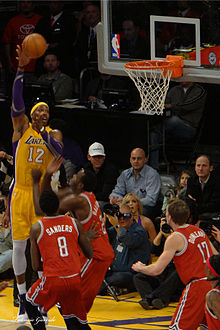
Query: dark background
[[119, 132]]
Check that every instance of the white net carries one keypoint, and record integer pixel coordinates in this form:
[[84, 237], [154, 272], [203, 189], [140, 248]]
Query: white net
[[152, 80]]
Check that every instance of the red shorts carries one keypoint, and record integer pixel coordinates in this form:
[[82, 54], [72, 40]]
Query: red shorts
[[190, 312], [47, 291], [92, 274]]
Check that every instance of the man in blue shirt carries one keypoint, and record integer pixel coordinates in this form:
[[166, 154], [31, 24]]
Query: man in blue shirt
[[141, 180]]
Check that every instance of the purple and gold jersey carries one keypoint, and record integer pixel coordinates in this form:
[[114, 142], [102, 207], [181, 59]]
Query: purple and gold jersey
[[30, 152]]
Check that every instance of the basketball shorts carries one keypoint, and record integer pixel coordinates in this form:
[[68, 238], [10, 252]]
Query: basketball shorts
[[93, 273], [47, 291], [190, 311], [22, 213]]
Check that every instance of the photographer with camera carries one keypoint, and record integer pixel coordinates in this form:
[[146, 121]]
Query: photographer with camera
[[130, 243], [158, 291]]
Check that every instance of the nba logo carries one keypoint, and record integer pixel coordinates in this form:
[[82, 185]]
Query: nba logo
[[115, 45]]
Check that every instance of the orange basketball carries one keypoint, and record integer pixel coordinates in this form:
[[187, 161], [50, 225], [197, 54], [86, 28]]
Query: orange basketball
[[34, 45]]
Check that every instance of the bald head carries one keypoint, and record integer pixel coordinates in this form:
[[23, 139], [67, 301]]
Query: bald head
[[138, 159]]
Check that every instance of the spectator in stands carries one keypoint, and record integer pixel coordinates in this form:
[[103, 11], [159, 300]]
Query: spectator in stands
[[106, 173], [178, 190], [86, 44], [5, 244], [6, 165], [133, 44], [62, 84], [159, 291], [137, 212], [203, 187], [186, 102], [141, 180], [130, 242], [59, 30], [16, 30]]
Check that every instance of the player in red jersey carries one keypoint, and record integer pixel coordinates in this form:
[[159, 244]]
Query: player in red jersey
[[81, 202], [189, 247], [212, 308], [55, 240]]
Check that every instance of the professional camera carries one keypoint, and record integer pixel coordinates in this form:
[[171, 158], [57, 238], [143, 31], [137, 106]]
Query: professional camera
[[111, 209], [166, 229], [206, 224]]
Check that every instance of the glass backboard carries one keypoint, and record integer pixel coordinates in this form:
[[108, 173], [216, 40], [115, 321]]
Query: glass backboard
[[137, 30]]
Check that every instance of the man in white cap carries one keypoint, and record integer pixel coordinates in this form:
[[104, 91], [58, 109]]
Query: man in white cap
[[106, 173], [34, 145]]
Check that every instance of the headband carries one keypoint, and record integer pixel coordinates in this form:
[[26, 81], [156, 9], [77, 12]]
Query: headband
[[211, 268], [37, 105]]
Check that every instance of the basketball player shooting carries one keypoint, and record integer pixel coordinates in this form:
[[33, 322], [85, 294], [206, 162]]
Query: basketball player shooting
[[34, 145]]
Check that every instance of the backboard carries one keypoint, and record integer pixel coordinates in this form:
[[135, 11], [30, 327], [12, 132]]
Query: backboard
[[157, 29]]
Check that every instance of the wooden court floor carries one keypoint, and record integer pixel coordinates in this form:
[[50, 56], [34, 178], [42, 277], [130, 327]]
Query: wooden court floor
[[106, 314]]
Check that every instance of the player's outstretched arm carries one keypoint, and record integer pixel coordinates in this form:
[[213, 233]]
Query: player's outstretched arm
[[19, 120], [54, 141], [170, 248]]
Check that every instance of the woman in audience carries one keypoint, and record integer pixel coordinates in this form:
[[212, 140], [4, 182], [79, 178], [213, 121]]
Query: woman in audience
[[136, 207], [179, 190]]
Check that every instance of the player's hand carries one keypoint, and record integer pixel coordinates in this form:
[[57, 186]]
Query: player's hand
[[23, 59], [216, 233], [54, 165], [36, 174], [93, 232]]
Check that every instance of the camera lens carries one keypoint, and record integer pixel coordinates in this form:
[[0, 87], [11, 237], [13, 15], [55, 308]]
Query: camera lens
[[166, 228], [111, 209]]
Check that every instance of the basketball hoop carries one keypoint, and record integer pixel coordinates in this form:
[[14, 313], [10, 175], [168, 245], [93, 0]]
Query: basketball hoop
[[152, 79]]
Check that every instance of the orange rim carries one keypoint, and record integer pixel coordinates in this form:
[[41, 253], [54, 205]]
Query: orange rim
[[149, 65]]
